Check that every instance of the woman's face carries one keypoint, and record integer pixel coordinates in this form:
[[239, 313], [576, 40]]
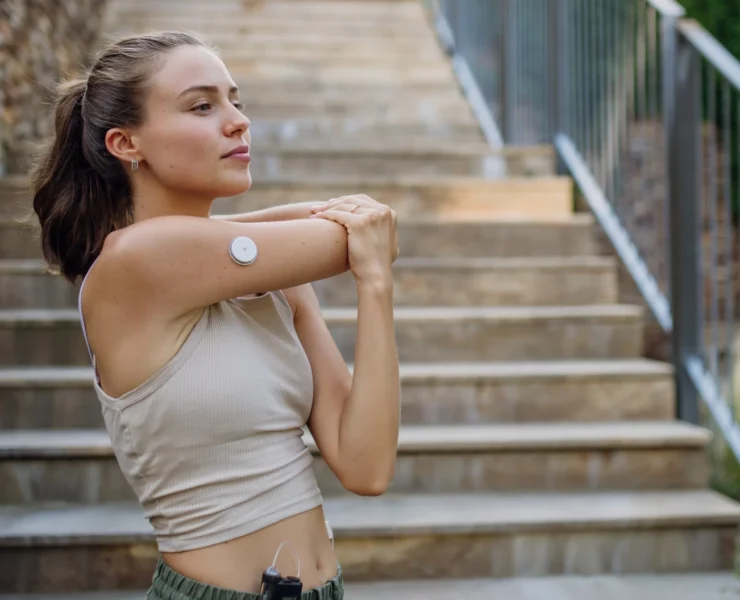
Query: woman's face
[[192, 120]]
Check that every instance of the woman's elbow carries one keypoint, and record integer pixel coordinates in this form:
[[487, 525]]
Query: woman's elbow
[[368, 485]]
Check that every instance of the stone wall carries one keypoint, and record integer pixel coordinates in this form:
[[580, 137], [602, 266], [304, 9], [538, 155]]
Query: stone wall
[[41, 41]]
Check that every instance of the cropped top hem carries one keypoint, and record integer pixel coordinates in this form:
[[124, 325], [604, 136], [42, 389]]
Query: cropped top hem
[[264, 520]]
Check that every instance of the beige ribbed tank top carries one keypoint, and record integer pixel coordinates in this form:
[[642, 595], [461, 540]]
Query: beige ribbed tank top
[[212, 442]]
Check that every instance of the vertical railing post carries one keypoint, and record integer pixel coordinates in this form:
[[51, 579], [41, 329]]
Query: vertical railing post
[[507, 52], [557, 72], [554, 60], [682, 80]]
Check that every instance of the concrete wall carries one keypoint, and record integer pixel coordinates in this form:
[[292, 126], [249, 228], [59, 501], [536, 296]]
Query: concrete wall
[[41, 41]]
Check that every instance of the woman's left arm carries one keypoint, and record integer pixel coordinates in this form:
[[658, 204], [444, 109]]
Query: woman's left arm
[[355, 417], [284, 212]]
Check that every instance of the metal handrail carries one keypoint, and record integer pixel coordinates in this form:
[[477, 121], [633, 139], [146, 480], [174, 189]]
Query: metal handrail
[[668, 8], [714, 52], [643, 108]]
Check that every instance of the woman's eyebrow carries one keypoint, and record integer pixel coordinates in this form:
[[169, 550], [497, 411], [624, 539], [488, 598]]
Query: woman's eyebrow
[[207, 88]]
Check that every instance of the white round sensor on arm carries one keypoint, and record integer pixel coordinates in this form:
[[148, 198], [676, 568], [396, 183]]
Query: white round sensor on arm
[[243, 250]]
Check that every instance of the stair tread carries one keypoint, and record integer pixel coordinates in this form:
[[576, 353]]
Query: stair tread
[[75, 375], [399, 514], [575, 220], [416, 438], [51, 316], [37, 265], [683, 586], [354, 179]]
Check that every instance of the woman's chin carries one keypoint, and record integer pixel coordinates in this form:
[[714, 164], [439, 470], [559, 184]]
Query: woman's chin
[[235, 185]]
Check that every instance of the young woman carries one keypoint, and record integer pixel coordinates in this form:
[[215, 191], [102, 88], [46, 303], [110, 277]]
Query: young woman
[[209, 348]]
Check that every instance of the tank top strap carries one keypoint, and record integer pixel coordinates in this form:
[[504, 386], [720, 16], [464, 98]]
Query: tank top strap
[[82, 318]]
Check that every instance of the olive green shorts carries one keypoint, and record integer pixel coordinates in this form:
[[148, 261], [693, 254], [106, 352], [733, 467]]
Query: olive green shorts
[[170, 585]]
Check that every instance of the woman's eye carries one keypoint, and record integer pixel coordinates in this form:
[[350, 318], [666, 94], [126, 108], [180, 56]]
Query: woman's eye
[[202, 107], [239, 106]]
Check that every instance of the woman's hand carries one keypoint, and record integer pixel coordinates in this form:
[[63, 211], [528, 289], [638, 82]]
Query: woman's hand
[[371, 231]]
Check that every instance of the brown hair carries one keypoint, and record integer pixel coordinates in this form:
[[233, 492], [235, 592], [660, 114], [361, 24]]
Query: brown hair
[[81, 191]]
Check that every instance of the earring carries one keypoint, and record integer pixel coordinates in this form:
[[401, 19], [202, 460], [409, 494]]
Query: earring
[[134, 165]]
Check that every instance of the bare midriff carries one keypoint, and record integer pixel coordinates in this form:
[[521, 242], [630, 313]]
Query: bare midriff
[[239, 563]]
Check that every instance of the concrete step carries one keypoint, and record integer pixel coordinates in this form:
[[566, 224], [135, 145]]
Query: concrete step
[[351, 56], [347, 130], [15, 197], [288, 25], [266, 72], [79, 466], [19, 239], [567, 281], [543, 198], [253, 29], [403, 537], [423, 282], [317, 41], [301, 160], [400, 11], [431, 236], [454, 393], [414, 106], [682, 586], [441, 335]]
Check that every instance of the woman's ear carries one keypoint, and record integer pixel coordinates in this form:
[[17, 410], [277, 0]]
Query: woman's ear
[[122, 144]]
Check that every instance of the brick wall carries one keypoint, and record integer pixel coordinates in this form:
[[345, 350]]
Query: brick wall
[[41, 41]]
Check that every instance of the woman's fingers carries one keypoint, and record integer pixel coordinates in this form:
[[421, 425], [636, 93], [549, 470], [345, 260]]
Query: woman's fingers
[[345, 203], [342, 217], [343, 207]]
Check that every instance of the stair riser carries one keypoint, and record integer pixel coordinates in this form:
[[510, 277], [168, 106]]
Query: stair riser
[[272, 73], [520, 554], [447, 239], [249, 26], [506, 554], [273, 167], [549, 198], [541, 198], [380, 57], [15, 202], [200, 13], [315, 42], [577, 399], [19, 242], [36, 291], [420, 341], [412, 287], [415, 286], [388, 133], [303, 103], [475, 199], [95, 480], [424, 402]]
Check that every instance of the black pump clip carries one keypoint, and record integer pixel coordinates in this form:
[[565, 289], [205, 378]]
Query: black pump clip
[[277, 587]]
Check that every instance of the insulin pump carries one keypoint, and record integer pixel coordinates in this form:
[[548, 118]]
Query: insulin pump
[[277, 587]]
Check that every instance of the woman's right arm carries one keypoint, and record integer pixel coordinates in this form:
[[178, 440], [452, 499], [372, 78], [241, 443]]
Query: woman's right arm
[[182, 263]]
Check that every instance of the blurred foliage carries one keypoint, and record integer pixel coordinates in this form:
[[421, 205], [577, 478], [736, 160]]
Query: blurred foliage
[[720, 17]]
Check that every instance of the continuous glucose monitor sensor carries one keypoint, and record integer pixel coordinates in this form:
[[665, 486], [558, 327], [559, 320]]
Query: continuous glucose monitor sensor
[[243, 250]]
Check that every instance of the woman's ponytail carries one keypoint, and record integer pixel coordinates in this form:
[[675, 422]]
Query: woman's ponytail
[[69, 195], [81, 192]]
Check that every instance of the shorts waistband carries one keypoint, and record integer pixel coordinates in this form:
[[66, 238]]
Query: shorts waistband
[[168, 584]]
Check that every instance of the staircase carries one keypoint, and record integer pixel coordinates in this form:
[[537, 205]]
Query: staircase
[[536, 440]]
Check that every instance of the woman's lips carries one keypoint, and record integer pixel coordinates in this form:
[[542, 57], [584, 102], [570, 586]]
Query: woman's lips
[[240, 153], [242, 156]]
